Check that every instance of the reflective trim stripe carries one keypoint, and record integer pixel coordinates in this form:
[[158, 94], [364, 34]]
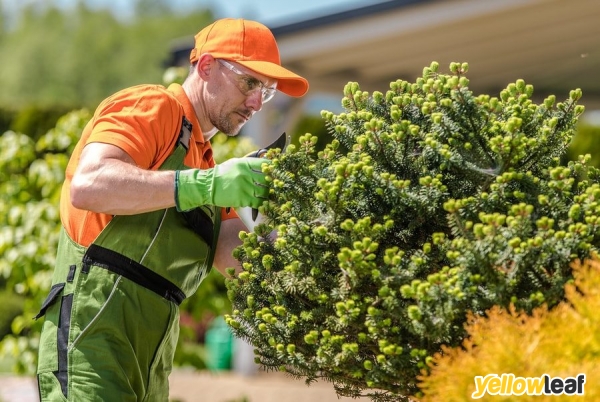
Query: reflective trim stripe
[[185, 133]]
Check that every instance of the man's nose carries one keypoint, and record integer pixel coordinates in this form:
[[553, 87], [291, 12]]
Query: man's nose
[[254, 101]]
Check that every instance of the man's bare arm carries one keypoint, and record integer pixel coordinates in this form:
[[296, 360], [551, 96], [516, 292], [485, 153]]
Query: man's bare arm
[[108, 181]]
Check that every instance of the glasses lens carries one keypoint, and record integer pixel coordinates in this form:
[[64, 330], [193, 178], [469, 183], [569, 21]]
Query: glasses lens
[[268, 94], [251, 85]]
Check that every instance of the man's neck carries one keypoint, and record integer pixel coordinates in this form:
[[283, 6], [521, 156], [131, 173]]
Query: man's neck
[[209, 134], [193, 92]]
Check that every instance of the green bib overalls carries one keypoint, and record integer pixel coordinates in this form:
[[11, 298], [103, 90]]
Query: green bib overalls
[[112, 315]]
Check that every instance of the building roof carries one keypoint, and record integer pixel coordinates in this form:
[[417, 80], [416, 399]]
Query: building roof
[[552, 44]]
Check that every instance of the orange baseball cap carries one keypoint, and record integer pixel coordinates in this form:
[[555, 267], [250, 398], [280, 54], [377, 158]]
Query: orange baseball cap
[[252, 45]]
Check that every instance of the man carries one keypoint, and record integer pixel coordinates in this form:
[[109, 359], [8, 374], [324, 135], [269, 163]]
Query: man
[[146, 213]]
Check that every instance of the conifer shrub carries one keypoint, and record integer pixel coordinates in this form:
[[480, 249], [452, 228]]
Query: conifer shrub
[[562, 342], [430, 202]]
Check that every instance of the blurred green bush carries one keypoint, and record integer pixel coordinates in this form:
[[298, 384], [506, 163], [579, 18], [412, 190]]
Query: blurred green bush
[[586, 141], [11, 305]]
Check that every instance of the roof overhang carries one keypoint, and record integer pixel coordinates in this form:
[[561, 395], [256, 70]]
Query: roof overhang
[[552, 44]]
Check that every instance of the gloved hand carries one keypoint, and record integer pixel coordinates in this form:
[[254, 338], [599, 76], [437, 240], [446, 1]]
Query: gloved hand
[[237, 182]]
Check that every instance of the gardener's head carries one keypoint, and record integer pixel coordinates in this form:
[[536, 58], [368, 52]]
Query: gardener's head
[[238, 66]]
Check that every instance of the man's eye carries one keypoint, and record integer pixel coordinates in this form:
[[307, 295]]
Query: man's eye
[[250, 83]]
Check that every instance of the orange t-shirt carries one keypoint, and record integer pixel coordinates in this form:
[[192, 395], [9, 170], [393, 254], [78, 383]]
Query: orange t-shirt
[[143, 121]]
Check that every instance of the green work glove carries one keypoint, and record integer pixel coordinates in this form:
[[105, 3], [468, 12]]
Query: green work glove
[[238, 182]]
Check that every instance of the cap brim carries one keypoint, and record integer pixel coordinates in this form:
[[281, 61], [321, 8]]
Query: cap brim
[[287, 82]]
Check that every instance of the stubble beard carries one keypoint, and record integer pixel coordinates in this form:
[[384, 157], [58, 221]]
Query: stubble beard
[[226, 125]]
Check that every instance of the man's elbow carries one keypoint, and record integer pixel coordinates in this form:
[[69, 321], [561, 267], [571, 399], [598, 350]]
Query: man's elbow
[[81, 197]]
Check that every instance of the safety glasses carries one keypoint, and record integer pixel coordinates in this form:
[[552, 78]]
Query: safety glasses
[[248, 84]]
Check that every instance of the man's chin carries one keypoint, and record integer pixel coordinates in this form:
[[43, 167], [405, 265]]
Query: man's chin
[[230, 131]]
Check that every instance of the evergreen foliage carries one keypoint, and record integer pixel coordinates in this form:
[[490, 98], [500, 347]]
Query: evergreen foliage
[[445, 202]]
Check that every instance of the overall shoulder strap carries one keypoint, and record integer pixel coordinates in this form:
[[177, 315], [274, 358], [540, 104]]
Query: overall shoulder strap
[[185, 134]]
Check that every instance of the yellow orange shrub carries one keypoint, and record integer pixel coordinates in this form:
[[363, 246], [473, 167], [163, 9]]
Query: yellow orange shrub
[[563, 342]]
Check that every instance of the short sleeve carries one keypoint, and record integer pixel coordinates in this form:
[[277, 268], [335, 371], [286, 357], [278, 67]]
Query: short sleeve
[[143, 121]]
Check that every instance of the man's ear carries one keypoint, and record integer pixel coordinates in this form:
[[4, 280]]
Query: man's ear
[[206, 62]]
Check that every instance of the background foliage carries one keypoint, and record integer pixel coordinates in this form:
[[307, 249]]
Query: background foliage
[[586, 141], [75, 58], [31, 175]]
